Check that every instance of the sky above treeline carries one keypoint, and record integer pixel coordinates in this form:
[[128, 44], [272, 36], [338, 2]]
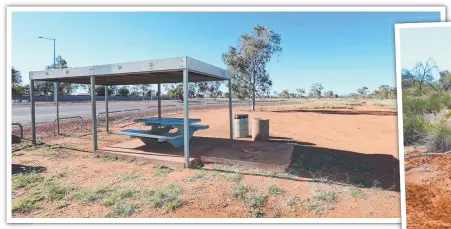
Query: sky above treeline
[[422, 44], [341, 50]]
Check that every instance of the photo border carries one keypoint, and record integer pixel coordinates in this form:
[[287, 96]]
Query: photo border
[[398, 27], [267, 8]]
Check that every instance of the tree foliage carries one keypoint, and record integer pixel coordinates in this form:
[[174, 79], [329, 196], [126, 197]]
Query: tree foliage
[[100, 90], [123, 91], [329, 94], [16, 81], [247, 62], [316, 90], [420, 75], [284, 94], [445, 80], [301, 92], [363, 92], [46, 88]]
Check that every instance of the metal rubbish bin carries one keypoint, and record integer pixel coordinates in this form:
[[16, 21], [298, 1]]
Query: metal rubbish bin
[[241, 125]]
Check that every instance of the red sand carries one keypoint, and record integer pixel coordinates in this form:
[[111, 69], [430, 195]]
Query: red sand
[[338, 140]]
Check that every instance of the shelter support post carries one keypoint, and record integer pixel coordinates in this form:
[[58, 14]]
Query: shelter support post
[[93, 109], [230, 110], [33, 113], [57, 108], [186, 134], [159, 100], [106, 109]]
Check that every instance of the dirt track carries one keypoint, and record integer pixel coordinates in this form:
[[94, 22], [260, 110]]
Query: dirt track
[[349, 154]]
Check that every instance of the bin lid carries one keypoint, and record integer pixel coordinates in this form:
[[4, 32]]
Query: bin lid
[[241, 116]]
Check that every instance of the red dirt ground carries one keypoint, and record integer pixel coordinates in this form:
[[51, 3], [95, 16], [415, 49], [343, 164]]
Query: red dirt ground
[[428, 192], [337, 144]]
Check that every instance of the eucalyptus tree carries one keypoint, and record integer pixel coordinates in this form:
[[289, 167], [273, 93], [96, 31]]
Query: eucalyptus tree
[[247, 61]]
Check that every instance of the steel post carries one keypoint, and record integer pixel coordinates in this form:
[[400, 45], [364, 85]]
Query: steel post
[[93, 109], [159, 100], [106, 109], [186, 135], [33, 113], [230, 110]]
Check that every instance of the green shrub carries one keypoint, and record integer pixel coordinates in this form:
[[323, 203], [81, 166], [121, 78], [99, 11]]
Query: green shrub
[[412, 106], [238, 191], [25, 204], [118, 195], [86, 196], [255, 200], [439, 139], [22, 180], [274, 190], [54, 191], [123, 210], [165, 197], [435, 103], [415, 129]]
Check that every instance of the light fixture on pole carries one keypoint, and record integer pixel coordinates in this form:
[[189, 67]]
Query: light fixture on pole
[[54, 65]]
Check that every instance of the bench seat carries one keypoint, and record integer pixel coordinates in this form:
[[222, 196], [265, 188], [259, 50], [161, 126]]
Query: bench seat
[[175, 139], [149, 134]]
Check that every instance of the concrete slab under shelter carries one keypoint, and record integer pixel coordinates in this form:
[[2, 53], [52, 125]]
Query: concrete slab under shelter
[[274, 156]]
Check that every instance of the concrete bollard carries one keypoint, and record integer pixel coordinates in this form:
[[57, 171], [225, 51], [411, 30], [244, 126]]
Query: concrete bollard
[[260, 129]]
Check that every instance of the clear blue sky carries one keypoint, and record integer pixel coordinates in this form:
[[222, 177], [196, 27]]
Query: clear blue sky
[[343, 51], [420, 44]]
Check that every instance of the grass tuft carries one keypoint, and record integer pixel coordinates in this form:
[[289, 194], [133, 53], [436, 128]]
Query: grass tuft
[[23, 180], [128, 175], [123, 210], [321, 202], [25, 204], [117, 196], [276, 214], [197, 176], [326, 196], [165, 197], [239, 190], [274, 190], [256, 213], [51, 190], [255, 200], [162, 171], [92, 195], [357, 193], [234, 177]]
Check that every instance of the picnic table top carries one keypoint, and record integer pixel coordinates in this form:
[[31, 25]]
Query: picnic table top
[[166, 121]]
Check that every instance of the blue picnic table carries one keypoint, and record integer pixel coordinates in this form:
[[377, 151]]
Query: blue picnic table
[[160, 130]]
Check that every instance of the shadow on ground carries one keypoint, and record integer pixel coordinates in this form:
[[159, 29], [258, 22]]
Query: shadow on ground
[[18, 168], [315, 164], [366, 170], [276, 139], [341, 112]]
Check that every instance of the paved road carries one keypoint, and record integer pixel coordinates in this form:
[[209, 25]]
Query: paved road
[[45, 113], [22, 113]]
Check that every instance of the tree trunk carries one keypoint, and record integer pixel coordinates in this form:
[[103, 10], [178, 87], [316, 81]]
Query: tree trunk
[[253, 95]]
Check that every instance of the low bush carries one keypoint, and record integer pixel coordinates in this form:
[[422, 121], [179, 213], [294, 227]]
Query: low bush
[[415, 129], [439, 139]]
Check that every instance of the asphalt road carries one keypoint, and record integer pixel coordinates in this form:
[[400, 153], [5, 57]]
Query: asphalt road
[[47, 112], [44, 113]]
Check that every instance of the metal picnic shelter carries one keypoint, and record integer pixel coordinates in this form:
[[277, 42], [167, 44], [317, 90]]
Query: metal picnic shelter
[[159, 71]]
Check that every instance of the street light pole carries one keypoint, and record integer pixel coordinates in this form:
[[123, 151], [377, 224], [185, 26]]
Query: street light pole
[[55, 89], [55, 84]]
